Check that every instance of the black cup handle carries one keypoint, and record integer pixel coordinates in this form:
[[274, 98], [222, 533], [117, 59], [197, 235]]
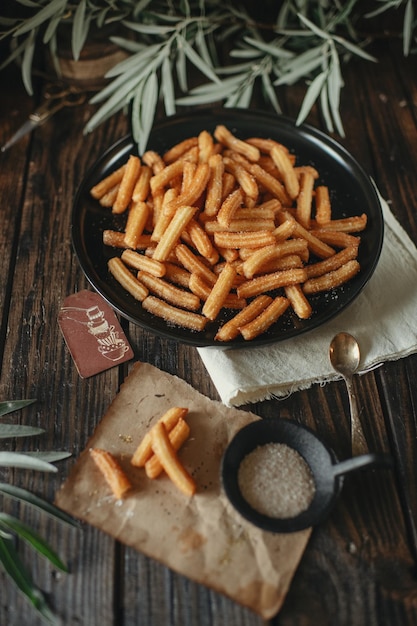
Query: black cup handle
[[362, 461]]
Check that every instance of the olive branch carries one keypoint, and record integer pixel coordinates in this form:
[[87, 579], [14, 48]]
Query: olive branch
[[11, 527], [306, 42]]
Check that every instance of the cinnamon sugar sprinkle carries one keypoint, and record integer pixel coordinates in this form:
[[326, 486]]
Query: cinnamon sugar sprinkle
[[276, 481]]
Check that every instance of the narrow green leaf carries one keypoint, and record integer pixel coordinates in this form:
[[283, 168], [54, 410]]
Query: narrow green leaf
[[14, 405], [14, 567], [408, 27], [270, 92], [224, 87], [270, 48], [135, 112], [148, 109], [26, 496], [325, 110], [80, 29], [202, 47], [49, 10], [385, 6], [13, 524], [313, 53], [15, 54], [313, 27], [53, 49], [122, 96], [333, 91], [141, 6], [28, 61], [24, 461], [357, 50], [127, 44], [241, 98], [17, 430], [29, 3], [51, 29], [311, 96], [203, 98], [167, 87], [181, 67], [246, 53], [196, 60], [334, 81], [134, 63], [115, 86], [51, 456], [295, 72], [149, 29], [116, 102]]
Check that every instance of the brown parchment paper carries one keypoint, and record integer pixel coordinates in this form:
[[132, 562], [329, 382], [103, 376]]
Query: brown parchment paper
[[201, 537]]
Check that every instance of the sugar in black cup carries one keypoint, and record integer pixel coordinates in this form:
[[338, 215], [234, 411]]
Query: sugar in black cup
[[326, 472]]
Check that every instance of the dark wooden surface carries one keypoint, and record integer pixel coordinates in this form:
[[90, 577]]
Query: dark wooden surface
[[358, 568]]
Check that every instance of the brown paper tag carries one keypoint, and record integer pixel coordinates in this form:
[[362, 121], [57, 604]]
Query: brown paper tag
[[92, 333]]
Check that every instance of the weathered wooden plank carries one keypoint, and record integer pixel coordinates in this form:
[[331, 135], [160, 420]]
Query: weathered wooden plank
[[357, 568]]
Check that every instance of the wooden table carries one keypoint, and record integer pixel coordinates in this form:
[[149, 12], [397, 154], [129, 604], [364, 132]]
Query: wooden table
[[358, 567]]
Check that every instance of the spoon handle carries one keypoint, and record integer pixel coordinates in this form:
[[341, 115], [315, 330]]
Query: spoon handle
[[359, 445]]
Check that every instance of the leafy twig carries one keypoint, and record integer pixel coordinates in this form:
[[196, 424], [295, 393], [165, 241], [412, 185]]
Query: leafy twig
[[11, 526], [307, 41]]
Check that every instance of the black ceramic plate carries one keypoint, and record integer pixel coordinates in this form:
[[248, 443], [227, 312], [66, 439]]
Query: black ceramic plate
[[352, 193]]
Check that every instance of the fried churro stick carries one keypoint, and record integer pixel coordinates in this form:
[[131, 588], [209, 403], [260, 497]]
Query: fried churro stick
[[219, 292], [286, 171], [298, 301], [195, 188], [125, 277], [168, 292], [332, 263], [229, 207], [214, 191], [305, 199], [177, 436], [141, 262], [113, 474], [353, 224], [269, 282], [107, 183], [244, 239], [333, 279], [224, 136], [109, 198], [174, 315], [323, 205], [136, 222], [173, 232], [205, 146], [170, 419], [181, 148], [230, 330], [260, 257], [127, 184], [264, 320], [167, 456], [336, 238], [194, 264]]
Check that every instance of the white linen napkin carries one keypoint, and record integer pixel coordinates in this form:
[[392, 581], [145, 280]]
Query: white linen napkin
[[382, 318]]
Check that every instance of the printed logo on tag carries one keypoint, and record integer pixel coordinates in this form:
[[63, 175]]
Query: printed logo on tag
[[92, 333]]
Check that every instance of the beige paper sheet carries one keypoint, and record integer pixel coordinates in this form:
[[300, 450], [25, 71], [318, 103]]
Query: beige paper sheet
[[201, 537]]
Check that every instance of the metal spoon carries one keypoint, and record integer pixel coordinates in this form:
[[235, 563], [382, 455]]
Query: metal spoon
[[345, 357]]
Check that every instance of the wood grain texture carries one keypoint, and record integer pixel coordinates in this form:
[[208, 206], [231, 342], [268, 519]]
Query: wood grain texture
[[358, 568]]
